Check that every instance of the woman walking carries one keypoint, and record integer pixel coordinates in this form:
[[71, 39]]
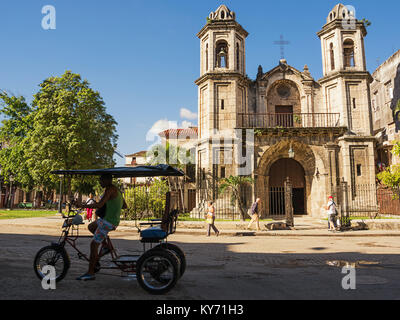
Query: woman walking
[[89, 211], [210, 218]]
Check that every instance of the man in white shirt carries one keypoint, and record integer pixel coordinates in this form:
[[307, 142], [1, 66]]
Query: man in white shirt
[[331, 210]]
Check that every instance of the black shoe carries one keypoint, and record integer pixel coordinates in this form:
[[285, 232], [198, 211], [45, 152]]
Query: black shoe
[[86, 277]]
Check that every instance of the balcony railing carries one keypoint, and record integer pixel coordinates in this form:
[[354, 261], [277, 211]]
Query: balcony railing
[[288, 120]]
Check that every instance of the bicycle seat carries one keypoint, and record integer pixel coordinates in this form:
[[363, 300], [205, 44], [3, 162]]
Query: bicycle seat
[[152, 234]]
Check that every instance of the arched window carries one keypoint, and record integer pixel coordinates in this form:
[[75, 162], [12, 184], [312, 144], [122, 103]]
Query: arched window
[[332, 55], [348, 53], [237, 57], [221, 53], [207, 57]]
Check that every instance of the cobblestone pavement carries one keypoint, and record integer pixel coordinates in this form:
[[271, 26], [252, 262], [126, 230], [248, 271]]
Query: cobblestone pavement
[[225, 267]]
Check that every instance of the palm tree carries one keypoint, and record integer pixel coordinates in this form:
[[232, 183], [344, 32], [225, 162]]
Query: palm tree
[[234, 184]]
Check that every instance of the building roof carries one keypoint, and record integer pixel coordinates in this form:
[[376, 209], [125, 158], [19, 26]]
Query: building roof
[[393, 57], [137, 154], [179, 133]]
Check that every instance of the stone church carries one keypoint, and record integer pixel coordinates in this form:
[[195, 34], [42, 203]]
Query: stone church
[[317, 133]]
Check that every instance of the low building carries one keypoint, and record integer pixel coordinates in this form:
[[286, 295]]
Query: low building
[[385, 97], [133, 160], [184, 139]]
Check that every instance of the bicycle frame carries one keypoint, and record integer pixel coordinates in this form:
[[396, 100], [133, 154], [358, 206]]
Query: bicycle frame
[[68, 236]]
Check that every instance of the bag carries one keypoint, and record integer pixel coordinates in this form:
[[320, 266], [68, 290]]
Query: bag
[[101, 212], [209, 219], [249, 213]]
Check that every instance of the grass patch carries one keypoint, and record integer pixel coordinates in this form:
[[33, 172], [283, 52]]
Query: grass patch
[[16, 214]]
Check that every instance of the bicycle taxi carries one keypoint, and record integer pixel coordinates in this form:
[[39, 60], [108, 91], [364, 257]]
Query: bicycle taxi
[[159, 266]]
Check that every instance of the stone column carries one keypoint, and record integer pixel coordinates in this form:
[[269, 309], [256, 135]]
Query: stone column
[[332, 151], [289, 203]]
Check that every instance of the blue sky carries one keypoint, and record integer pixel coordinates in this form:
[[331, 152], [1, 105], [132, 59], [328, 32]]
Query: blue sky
[[143, 56]]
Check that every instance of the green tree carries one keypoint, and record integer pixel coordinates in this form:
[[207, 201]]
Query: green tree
[[234, 184], [16, 124], [66, 127], [391, 176]]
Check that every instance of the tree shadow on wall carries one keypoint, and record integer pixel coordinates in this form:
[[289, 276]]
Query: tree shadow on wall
[[395, 105]]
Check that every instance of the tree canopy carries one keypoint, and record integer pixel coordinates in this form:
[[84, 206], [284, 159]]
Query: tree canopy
[[66, 127]]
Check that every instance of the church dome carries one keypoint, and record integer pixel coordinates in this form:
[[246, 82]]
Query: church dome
[[222, 13], [340, 12]]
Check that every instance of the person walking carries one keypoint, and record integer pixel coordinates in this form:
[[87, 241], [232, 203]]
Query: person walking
[[89, 211], [254, 214], [331, 211], [210, 219]]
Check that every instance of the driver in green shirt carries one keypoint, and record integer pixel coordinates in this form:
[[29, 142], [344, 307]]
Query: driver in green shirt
[[102, 226]]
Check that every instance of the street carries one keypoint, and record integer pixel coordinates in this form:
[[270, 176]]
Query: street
[[224, 267]]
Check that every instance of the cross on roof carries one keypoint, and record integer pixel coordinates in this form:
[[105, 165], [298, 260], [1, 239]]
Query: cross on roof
[[282, 43]]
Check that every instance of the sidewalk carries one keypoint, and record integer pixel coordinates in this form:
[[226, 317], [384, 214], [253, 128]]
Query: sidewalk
[[304, 226]]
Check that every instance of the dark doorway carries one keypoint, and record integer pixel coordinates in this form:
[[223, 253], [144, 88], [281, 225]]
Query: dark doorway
[[279, 171], [191, 199], [284, 116], [298, 201]]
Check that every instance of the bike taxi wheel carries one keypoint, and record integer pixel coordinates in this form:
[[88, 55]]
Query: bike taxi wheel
[[179, 253], [53, 256], [157, 271]]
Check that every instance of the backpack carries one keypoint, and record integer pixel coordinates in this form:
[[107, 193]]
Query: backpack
[[336, 212]]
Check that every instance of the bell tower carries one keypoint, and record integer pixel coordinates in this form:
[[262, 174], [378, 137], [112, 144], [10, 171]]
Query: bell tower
[[222, 43], [222, 94], [223, 82], [346, 79], [342, 41], [345, 88]]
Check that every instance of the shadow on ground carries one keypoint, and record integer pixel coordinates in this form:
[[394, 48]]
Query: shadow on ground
[[216, 270]]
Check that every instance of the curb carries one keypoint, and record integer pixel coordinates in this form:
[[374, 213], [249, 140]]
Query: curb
[[232, 233]]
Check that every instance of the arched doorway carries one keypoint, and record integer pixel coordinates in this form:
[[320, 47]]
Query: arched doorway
[[278, 172]]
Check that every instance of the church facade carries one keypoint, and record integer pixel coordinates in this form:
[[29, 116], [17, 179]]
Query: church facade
[[284, 124]]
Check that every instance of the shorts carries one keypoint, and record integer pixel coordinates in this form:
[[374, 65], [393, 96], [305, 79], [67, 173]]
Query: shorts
[[103, 228], [332, 218]]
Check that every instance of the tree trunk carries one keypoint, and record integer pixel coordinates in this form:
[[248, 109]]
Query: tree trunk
[[240, 205]]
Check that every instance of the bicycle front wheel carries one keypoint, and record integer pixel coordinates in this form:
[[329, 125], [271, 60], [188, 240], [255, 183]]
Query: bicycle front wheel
[[53, 256]]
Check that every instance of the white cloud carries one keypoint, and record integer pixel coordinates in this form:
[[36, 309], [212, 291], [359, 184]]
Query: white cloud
[[159, 126], [187, 114], [186, 124], [165, 124]]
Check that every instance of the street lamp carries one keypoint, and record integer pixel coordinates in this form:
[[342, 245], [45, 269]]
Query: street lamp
[[11, 193], [0, 189], [61, 193]]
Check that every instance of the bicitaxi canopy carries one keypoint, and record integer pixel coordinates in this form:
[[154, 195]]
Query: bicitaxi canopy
[[161, 170]]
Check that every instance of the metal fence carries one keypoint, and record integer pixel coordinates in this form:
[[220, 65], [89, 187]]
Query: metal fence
[[277, 201], [362, 201], [225, 204]]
